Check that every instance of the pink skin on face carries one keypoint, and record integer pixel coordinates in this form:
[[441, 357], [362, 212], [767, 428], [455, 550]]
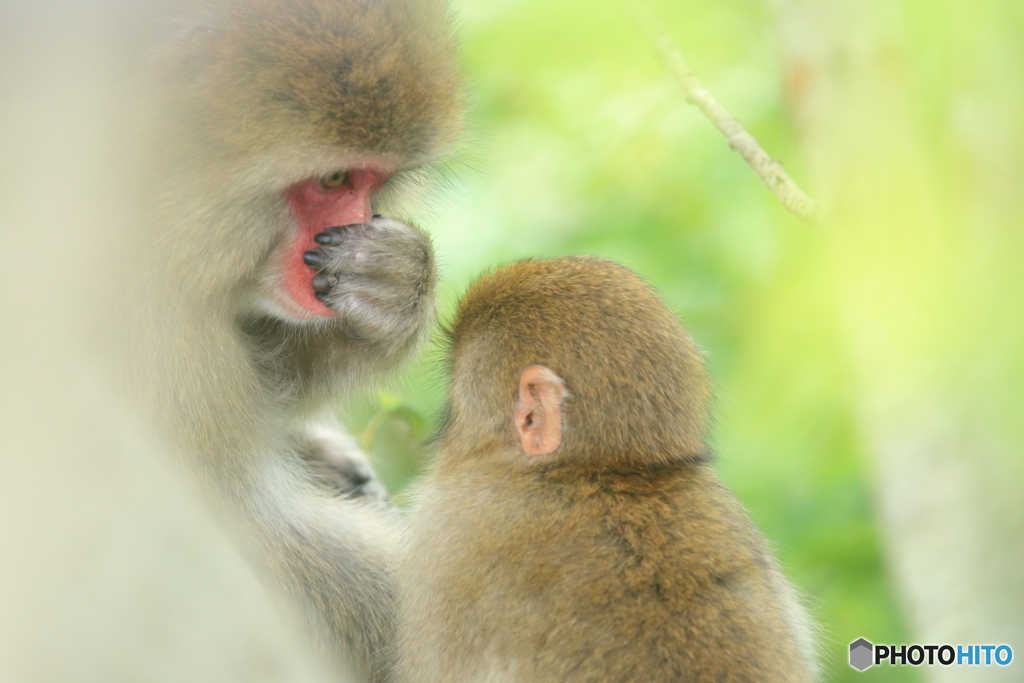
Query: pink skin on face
[[317, 208]]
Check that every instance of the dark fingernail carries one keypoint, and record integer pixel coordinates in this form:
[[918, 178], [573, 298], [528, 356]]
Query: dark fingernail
[[313, 258], [323, 282], [328, 237], [378, 215]]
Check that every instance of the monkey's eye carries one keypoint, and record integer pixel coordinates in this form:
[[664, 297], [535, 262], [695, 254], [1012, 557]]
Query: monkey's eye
[[333, 180]]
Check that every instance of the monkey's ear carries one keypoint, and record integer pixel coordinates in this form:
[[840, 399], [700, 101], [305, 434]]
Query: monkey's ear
[[538, 415]]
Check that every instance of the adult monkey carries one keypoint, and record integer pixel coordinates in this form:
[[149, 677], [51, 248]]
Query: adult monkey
[[262, 282], [110, 567]]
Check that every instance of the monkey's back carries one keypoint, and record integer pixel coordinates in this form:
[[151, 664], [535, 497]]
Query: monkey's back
[[563, 575]]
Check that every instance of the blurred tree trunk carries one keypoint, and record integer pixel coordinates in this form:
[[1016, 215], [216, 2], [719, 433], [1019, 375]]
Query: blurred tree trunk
[[911, 118]]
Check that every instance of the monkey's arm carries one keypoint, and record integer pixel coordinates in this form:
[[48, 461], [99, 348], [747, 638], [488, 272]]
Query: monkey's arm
[[329, 537]]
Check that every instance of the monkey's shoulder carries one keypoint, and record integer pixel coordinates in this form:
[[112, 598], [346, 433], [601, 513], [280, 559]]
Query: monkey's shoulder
[[606, 525], [673, 508], [611, 566]]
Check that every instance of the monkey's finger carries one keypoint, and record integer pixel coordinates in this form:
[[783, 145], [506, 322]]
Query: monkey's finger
[[315, 258], [322, 282], [335, 235]]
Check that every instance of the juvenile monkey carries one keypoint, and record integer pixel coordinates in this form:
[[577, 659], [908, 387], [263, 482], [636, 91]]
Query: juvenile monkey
[[571, 528], [262, 283]]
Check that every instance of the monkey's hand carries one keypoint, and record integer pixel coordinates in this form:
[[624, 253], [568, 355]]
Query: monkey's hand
[[378, 277], [337, 463]]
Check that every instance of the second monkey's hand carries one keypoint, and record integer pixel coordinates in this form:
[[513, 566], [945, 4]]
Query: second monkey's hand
[[378, 277]]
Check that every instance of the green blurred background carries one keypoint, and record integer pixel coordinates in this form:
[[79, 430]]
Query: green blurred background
[[579, 141]]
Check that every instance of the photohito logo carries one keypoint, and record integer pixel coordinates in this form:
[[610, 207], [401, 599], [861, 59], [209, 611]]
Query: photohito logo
[[864, 654]]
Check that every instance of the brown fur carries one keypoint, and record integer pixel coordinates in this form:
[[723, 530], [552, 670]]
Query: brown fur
[[594, 322], [373, 76], [620, 557]]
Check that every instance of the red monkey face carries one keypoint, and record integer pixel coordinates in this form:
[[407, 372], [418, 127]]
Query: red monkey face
[[339, 198]]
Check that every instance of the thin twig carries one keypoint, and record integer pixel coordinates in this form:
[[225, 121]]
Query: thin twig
[[771, 171]]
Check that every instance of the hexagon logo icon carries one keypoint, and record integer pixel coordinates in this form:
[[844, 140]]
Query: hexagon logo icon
[[861, 654]]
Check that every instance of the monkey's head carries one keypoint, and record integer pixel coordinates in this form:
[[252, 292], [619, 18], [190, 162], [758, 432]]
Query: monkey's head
[[377, 78], [281, 118], [574, 360]]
